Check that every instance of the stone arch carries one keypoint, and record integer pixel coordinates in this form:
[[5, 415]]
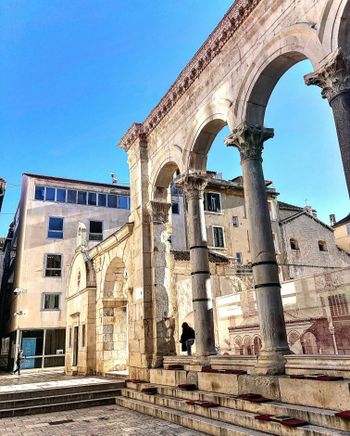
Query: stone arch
[[163, 180], [309, 343], [334, 25], [208, 123], [295, 45], [115, 280], [78, 267]]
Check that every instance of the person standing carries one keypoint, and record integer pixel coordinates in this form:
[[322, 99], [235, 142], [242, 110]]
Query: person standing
[[19, 361], [187, 338]]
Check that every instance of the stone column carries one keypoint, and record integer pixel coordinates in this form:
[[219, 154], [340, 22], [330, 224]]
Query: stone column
[[163, 345], [193, 186], [250, 143], [334, 79]]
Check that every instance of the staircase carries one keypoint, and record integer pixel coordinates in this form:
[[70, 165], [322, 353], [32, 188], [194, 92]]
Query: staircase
[[45, 400], [226, 414]]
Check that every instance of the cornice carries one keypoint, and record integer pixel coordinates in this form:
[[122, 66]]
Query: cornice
[[224, 31]]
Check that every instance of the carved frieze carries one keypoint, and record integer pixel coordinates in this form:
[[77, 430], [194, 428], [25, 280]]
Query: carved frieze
[[249, 140], [333, 77]]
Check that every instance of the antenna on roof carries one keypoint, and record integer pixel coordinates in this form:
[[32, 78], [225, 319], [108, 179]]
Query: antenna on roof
[[114, 179]]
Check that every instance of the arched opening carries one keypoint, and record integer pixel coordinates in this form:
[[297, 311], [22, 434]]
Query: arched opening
[[309, 343], [247, 346], [257, 345], [115, 315], [238, 347]]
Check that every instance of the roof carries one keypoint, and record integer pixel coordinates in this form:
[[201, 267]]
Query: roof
[[213, 256], [239, 180], [236, 183], [303, 212], [288, 206], [85, 182], [344, 220]]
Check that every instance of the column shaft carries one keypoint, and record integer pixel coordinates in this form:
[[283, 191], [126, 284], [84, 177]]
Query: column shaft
[[249, 140], [193, 187]]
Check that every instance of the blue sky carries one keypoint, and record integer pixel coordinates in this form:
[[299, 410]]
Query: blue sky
[[76, 73]]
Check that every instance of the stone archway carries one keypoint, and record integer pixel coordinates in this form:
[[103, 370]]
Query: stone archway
[[239, 65]]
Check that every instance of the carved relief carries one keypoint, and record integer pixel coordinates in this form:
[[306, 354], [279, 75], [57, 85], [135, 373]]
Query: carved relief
[[192, 185], [333, 77], [249, 140]]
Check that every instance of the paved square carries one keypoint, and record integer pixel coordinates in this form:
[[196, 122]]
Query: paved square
[[94, 421]]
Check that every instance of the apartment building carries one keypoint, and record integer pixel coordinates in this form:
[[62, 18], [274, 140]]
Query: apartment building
[[342, 232], [39, 249]]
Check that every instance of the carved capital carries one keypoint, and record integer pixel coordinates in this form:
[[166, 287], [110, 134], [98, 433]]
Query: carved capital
[[249, 140], [333, 77], [192, 185], [158, 211]]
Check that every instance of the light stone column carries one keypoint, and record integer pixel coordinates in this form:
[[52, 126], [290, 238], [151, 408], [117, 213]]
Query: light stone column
[[334, 79], [250, 142], [193, 186], [162, 344]]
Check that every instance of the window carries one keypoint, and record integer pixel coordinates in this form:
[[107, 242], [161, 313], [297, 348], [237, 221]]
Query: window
[[96, 232], [53, 265], [348, 229], [83, 334], [50, 194], [212, 202], [338, 305], [294, 244], [55, 228], [175, 207], [322, 246], [102, 200], [123, 202], [218, 237], [112, 200], [70, 338], [71, 196], [92, 199], [239, 258], [39, 192], [51, 301], [235, 221], [82, 197], [61, 195]]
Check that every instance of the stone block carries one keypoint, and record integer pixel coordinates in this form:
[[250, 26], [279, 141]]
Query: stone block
[[267, 386], [167, 377], [214, 382], [325, 394]]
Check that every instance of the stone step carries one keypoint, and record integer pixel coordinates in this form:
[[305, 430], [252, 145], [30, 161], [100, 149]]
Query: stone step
[[169, 377], [58, 390], [56, 407], [316, 416], [198, 423], [42, 399], [229, 416]]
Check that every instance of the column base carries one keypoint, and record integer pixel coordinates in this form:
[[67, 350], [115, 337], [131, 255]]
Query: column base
[[271, 362]]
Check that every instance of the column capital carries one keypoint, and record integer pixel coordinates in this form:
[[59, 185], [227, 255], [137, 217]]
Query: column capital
[[158, 211], [249, 140], [192, 184], [333, 77]]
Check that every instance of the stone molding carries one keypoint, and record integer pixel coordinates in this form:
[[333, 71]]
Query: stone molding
[[333, 77], [249, 140], [193, 185], [158, 211], [228, 26]]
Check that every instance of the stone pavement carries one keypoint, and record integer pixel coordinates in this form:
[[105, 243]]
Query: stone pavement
[[94, 421]]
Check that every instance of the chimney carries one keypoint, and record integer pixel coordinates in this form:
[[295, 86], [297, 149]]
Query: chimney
[[332, 219]]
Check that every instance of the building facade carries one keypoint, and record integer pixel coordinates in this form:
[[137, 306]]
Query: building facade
[[342, 233], [39, 251]]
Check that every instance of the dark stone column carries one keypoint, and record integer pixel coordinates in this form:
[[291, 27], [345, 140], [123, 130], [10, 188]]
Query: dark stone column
[[334, 79], [250, 142], [193, 186]]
